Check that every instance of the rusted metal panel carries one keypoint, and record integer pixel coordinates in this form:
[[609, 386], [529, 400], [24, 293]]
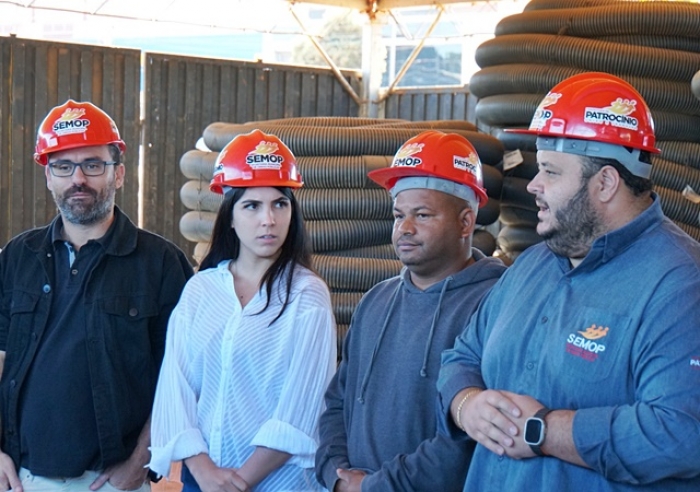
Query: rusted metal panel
[[183, 95], [36, 76]]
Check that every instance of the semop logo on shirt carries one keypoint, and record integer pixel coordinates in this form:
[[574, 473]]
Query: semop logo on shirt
[[586, 344]]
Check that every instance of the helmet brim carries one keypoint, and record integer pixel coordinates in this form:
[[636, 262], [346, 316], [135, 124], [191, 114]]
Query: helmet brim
[[387, 178]]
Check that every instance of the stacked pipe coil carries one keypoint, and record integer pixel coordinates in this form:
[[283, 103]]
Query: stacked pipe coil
[[349, 218], [653, 45]]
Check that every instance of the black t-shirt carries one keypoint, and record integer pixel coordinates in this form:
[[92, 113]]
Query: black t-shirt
[[58, 424]]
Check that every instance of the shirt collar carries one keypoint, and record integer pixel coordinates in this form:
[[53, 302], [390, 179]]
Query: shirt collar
[[611, 244], [121, 227]]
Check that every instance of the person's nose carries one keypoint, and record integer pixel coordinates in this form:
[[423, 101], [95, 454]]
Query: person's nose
[[535, 185], [78, 178], [405, 226], [269, 217]]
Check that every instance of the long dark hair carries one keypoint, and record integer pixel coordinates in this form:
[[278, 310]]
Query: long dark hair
[[295, 250]]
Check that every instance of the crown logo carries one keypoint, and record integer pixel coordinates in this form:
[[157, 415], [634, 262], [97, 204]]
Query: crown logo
[[549, 100], [409, 150], [71, 114], [265, 148], [624, 107], [594, 332]]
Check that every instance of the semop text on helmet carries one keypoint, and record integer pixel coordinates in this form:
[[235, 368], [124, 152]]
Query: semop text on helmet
[[75, 124], [445, 162], [255, 159]]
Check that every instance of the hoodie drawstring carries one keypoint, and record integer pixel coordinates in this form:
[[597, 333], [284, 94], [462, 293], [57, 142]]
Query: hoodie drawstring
[[431, 333], [436, 316], [365, 380]]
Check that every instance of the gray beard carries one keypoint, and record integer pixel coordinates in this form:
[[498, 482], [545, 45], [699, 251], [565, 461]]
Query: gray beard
[[80, 214]]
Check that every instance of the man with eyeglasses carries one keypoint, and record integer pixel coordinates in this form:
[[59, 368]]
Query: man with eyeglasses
[[84, 305]]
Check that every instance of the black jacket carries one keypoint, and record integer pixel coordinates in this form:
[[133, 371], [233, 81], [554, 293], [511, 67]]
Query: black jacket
[[128, 299]]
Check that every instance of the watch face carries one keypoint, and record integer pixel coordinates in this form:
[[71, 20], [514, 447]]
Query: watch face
[[534, 431]]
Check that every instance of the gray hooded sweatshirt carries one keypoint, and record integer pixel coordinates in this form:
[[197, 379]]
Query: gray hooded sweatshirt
[[381, 414]]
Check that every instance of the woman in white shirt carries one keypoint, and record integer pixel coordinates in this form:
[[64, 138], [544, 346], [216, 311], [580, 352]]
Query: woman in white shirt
[[251, 344]]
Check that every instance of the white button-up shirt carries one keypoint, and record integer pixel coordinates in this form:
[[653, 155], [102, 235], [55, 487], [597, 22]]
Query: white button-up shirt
[[230, 381]]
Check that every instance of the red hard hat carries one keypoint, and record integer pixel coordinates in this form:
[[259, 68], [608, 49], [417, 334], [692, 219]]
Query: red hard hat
[[595, 106], [75, 124], [447, 156], [255, 159]]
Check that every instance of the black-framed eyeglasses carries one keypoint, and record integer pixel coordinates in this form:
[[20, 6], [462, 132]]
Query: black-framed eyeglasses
[[91, 167]]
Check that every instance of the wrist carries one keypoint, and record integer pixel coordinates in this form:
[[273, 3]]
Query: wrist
[[535, 433], [198, 464], [465, 395]]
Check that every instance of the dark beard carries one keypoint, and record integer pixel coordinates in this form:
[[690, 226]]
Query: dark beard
[[578, 225], [86, 214]]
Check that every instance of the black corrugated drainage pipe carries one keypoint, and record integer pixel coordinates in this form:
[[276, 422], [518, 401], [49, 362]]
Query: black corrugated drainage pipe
[[588, 54], [333, 141], [519, 78], [657, 18]]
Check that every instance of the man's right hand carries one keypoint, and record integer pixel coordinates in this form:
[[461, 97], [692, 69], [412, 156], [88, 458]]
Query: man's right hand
[[485, 417], [349, 480], [8, 474], [211, 478]]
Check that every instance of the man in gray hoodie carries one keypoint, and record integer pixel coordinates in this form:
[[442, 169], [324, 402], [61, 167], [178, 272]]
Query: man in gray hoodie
[[380, 429]]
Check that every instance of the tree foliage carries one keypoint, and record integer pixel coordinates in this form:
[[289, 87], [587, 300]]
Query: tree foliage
[[341, 38]]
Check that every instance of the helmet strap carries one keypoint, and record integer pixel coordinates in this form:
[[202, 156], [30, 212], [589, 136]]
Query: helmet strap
[[438, 184], [591, 148]]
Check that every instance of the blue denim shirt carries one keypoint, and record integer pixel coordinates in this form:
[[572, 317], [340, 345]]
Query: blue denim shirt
[[617, 339]]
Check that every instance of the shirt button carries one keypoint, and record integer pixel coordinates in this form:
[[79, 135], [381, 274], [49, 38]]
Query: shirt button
[[46, 288], [34, 337], [545, 319], [74, 272], [530, 365], [133, 312], [13, 383]]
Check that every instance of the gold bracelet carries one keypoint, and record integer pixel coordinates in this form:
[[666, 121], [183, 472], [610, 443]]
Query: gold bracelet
[[469, 393]]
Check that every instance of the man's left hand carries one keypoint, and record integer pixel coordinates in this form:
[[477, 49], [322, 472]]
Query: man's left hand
[[350, 480], [127, 475]]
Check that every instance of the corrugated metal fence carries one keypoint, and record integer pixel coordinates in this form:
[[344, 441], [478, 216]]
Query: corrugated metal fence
[[431, 103], [182, 95]]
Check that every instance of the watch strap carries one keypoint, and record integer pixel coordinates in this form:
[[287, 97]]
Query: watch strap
[[540, 415]]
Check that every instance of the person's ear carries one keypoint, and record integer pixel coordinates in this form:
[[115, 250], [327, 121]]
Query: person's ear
[[467, 219], [119, 172], [607, 183]]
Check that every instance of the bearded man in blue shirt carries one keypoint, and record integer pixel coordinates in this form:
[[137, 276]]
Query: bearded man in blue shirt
[[581, 368]]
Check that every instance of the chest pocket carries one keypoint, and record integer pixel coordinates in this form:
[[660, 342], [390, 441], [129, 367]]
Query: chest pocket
[[22, 303], [131, 308], [594, 353], [126, 330]]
